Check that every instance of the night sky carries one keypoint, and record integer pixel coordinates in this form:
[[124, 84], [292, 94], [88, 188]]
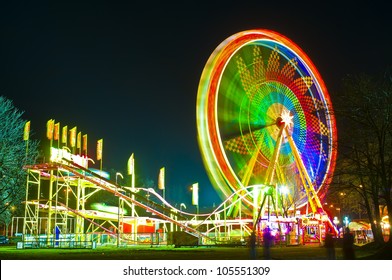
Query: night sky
[[129, 73]]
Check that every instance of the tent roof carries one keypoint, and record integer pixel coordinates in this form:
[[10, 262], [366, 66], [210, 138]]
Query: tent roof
[[359, 225]]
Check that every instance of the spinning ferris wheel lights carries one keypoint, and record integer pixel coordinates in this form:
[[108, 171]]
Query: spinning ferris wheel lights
[[264, 117]]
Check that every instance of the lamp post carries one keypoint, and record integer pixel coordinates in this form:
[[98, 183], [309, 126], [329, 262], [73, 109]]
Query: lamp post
[[346, 221], [339, 214], [336, 221], [118, 209]]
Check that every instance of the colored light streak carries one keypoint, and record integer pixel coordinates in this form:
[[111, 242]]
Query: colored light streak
[[109, 209], [252, 81]]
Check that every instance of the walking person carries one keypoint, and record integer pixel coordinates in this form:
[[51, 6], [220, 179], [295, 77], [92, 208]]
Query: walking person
[[252, 243], [267, 240], [348, 245], [330, 245]]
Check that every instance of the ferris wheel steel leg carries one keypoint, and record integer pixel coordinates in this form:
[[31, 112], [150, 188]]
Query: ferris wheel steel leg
[[270, 174], [282, 179], [261, 208], [267, 195], [233, 209], [274, 160], [304, 183], [314, 200]]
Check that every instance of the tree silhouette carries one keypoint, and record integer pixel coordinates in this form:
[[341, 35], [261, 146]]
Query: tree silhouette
[[364, 113], [14, 155]]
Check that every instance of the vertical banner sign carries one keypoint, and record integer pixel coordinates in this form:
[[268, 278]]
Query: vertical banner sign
[[131, 165], [72, 137], [99, 149], [64, 135], [49, 129], [56, 135], [79, 141], [161, 179], [195, 194], [85, 144], [26, 131]]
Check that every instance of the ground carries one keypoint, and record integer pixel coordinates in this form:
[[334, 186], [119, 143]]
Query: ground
[[307, 252]]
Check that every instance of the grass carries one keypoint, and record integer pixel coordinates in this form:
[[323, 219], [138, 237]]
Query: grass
[[308, 252]]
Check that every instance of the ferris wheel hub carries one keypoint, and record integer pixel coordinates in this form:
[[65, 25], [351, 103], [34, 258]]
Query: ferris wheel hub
[[285, 119], [279, 122]]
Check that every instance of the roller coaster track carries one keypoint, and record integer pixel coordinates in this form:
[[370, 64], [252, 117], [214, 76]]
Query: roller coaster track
[[117, 190], [77, 213]]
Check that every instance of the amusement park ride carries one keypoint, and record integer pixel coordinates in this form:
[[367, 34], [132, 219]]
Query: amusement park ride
[[267, 135]]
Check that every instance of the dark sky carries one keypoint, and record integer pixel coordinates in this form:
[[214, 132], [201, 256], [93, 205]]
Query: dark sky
[[128, 73]]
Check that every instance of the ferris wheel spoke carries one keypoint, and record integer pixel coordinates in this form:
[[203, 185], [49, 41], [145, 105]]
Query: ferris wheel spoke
[[246, 131]]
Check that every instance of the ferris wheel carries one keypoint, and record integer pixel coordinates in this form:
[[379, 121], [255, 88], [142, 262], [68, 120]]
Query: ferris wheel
[[264, 117]]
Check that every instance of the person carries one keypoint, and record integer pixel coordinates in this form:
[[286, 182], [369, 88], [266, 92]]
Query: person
[[329, 244], [267, 239], [252, 242], [348, 245]]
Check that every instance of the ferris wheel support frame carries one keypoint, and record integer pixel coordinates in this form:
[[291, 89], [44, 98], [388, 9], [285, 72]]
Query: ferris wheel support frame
[[313, 198]]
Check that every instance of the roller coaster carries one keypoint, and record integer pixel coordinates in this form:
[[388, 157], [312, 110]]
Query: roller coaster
[[68, 187]]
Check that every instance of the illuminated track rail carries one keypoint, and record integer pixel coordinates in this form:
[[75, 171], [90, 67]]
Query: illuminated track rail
[[111, 187]]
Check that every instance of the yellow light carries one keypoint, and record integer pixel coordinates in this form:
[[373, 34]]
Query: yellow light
[[99, 149], [284, 190], [26, 131], [287, 118]]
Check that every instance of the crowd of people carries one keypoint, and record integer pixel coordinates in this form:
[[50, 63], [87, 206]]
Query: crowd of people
[[347, 245], [330, 243]]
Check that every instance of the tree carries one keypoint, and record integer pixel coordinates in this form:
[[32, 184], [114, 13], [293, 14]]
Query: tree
[[13, 156], [365, 112]]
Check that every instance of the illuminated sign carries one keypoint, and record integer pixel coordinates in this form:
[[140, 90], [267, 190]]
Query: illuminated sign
[[58, 155]]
